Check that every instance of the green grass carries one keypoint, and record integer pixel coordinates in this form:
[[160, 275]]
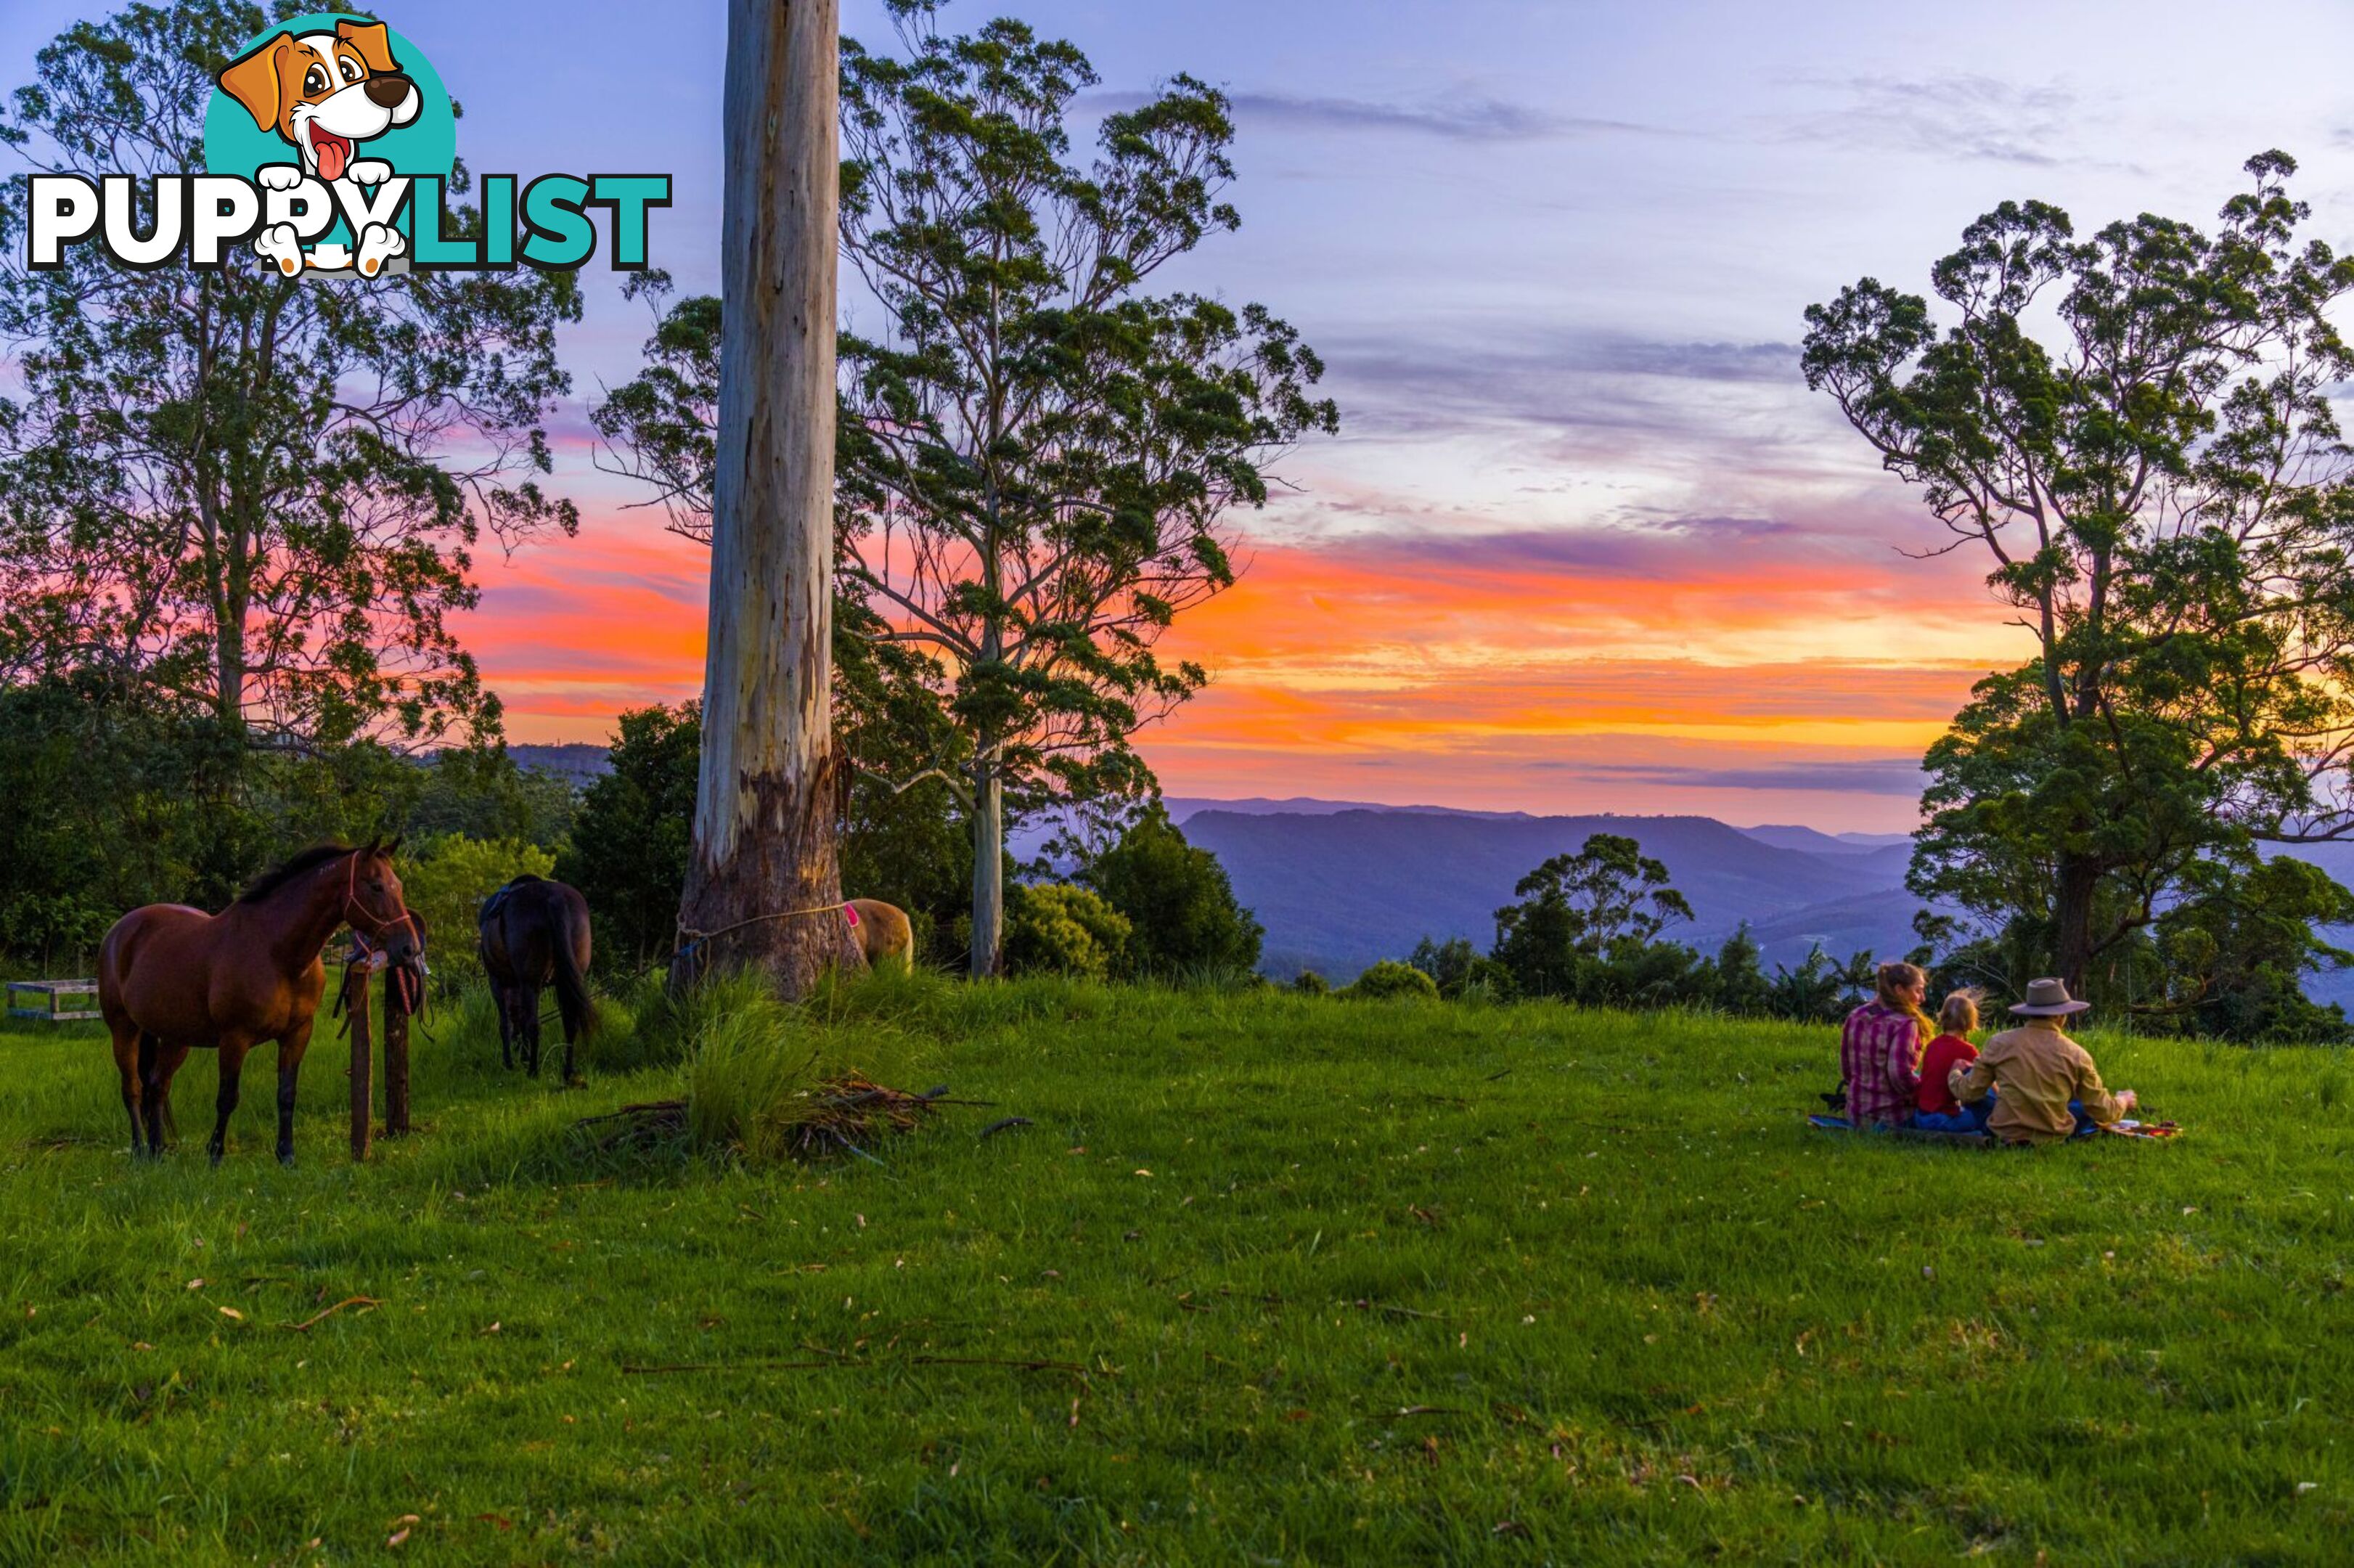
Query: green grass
[[1343, 1282]]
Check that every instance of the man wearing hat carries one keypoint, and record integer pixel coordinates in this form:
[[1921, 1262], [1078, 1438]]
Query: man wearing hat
[[2047, 1080]]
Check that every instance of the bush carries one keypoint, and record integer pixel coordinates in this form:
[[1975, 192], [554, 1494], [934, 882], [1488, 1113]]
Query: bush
[[1177, 900], [445, 879], [631, 841], [1390, 980], [1461, 970], [1056, 928], [1310, 984]]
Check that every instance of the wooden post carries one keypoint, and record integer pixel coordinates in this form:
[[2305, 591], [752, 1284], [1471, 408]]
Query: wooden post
[[404, 990], [355, 1009], [765, 802], [396, 1067]]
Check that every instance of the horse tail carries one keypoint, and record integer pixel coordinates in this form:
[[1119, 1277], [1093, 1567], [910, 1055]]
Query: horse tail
[[572, 998]]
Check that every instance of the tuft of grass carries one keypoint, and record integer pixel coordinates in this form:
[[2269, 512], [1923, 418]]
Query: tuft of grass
[[760, 1072]]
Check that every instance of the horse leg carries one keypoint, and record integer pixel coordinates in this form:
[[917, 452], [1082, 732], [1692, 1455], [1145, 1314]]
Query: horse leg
[[159, 1061], [500, 995], [290, 1069], [527, 1015], [232, 1068], [130, 1041]]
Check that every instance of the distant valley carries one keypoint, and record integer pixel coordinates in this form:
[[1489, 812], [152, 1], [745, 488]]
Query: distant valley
[[1337, 888], [1340, 885]]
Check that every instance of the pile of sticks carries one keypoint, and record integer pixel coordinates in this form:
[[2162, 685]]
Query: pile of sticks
[[848, 1114], [843, 1115]]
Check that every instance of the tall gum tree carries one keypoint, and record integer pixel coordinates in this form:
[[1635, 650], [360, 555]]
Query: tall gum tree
[[1036, 457], [764, 883], [1041, 455]]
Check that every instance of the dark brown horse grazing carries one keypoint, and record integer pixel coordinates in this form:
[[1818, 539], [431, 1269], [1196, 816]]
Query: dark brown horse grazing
[[172, 979], [535, 933]]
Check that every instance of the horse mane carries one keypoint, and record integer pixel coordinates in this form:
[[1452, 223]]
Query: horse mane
[[311, 859]]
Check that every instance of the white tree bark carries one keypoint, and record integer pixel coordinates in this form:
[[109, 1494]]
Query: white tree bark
[[764, 880]]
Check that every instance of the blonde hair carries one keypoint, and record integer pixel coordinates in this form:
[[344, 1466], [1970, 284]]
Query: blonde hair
[[1888, 979], [1960, 1013]]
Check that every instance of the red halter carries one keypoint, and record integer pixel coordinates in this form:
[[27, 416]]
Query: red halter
[[352, 906]]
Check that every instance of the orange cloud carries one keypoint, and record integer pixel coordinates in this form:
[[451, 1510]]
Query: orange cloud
[[1736, 673]]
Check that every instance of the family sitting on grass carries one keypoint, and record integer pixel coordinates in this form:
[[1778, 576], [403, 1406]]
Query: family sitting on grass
[[2029, 1085]]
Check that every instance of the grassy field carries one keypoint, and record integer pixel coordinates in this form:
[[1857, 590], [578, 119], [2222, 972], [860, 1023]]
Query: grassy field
[[1269, 1279]]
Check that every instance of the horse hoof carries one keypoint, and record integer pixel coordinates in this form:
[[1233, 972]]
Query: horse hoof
[[287, 1160]]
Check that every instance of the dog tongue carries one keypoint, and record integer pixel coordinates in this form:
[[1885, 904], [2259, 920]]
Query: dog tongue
[[335, 153]]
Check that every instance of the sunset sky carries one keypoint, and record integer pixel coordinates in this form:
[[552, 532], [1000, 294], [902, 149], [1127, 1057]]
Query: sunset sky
[[1586, 542]]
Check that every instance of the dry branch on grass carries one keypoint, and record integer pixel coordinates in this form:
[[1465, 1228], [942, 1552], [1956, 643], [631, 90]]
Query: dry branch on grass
[[645, 1126]]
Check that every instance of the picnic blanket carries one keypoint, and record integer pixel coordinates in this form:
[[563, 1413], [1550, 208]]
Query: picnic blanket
[[1987, 1140]]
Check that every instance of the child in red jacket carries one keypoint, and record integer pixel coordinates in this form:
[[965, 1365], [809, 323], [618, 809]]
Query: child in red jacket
[[1938, 1110]]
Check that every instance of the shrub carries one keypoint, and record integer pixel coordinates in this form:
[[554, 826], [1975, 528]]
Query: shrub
[[631, 841], [1390, 980], [1056, 928], [1310, 983], [446, 878], [1177, 898], [1459, 969]]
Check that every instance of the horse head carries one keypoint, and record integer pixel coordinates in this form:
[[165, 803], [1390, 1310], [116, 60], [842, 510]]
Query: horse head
[[374, 906]]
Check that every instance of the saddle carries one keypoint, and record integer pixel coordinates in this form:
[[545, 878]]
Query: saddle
[[497, 900]]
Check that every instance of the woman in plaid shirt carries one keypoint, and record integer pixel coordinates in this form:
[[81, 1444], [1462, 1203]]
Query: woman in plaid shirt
[[1880, 1050]]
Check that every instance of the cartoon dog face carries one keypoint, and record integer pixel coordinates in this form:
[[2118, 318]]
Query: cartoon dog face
[[324, 92]]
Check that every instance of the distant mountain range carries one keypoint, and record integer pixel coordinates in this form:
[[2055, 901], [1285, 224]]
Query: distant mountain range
[[579, 762], [1340, 885]]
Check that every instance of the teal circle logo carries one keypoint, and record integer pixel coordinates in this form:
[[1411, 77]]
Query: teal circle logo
[[344, 102]]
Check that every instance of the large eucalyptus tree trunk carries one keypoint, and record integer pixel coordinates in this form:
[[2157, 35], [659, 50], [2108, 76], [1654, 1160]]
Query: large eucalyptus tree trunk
[[764, 883]]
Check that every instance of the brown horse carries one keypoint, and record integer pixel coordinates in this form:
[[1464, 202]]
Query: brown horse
[[535, 933], [172, 979]]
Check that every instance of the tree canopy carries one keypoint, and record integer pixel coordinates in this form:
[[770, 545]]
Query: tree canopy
[[250, 497], [2136, 429], [1036, 455]]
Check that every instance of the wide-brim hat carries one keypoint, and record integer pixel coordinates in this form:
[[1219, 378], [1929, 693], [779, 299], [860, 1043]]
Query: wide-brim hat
[[2048, 999]]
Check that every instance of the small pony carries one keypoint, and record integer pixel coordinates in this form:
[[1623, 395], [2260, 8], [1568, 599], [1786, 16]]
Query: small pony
[[881, 932]]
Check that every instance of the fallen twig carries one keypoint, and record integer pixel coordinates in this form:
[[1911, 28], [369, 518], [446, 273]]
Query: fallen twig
[[1004, 1124], [363, 1302], [642, 1125], [1363, 1305]]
